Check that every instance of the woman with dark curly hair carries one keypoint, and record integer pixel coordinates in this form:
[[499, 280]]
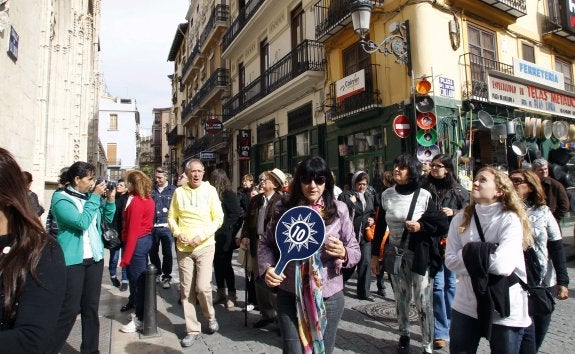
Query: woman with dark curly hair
[[225, 242], [416, 238], [309, 307], [32, 287]]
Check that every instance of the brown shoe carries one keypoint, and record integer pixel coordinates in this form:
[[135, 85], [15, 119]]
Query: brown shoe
[[439, 343]]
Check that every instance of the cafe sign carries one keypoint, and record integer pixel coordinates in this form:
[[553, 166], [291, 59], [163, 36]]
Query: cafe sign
[[530, 97]]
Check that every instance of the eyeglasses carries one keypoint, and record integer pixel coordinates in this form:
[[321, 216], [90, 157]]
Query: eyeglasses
[[263, 180], [319, 180], [434, 165], [518, 181]]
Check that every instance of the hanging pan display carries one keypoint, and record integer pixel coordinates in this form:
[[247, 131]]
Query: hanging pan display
[[424, 104], [547, 129], [485, 119], [519, 148], [571, 132], [560, 130], [427, 153], [426, 120], [528, 128], [423, 87], [426, 137]]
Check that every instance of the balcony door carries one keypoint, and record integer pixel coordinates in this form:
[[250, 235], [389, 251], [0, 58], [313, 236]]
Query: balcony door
[[264, 64], [354, 60], [483, 57], [297, 37]]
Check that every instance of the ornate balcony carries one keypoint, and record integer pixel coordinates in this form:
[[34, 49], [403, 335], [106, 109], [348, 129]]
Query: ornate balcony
[[506, 11], [476, 69], [219, 80], [217, 23], [175, 135], [558, 30], [238, 24], [187, 69], [331, 16], [360, 102], [308, 56]]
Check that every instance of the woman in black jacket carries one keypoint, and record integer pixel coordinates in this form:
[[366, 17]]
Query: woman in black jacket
[[361, 202], [449, 197], [31, 266], [225, 243]]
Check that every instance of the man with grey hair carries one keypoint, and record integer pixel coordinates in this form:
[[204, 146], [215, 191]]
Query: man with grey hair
[[555, 193]]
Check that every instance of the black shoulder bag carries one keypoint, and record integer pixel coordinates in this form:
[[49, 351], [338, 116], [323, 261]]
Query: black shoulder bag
[[392, 256], [540, 300]]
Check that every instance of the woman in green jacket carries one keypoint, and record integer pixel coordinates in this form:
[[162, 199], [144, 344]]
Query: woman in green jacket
[[78, 210]]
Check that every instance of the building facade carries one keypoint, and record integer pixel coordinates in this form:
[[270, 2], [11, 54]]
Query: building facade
[[50, 79], [118, 131]]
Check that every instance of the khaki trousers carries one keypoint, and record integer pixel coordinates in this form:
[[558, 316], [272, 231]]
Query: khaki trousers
[[196, 283]]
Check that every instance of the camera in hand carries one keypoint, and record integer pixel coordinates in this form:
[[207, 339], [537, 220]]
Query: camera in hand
[[109, 184]]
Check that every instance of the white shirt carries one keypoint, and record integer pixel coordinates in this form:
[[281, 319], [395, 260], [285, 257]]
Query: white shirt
[[503, 228]]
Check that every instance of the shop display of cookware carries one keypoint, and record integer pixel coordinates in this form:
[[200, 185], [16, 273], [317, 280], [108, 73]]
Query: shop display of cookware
[[560, 130], [427, 153], [426, 120], [423, 87], [485, 119], [547, 129], [424, 104], [427, 137]]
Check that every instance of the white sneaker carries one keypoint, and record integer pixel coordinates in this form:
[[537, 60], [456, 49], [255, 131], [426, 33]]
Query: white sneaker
[[249, 308], [158, 279], [134, 326], [166, 283]]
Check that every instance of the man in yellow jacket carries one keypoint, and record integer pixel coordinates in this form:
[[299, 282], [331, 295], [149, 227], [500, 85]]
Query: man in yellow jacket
[[194, 216]]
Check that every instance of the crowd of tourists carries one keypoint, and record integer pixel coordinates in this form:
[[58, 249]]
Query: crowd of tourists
[[485, 263]]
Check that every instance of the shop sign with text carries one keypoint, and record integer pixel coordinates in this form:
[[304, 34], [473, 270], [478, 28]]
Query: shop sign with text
[[214, 126], [244, 141], [530, 97], [539, 74], [350, 85]]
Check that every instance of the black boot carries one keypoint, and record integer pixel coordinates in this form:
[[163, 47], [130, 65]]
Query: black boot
[[403, 346]]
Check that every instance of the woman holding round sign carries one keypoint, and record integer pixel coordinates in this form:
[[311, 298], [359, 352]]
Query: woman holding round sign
[[310, 298], [411, 256]]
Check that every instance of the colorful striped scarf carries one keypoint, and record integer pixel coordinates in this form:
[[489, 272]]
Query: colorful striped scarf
[[311, 313]]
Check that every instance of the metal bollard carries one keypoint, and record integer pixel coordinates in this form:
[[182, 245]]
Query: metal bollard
[[150, 305]]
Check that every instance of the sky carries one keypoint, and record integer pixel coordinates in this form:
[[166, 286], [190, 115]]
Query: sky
[[135, 40]]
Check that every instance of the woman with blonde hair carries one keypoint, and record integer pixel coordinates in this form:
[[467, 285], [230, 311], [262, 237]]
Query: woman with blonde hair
[[545, 261], [485, 248], [137, 238]]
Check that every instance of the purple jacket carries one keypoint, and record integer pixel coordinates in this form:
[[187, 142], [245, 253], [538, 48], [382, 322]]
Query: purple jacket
[[341, 227]]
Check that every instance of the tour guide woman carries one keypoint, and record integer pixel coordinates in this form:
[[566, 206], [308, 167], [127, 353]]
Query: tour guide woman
[[309, 311], [496, 212]]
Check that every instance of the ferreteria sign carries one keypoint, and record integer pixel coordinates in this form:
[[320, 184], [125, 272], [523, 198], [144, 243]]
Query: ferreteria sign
[[538, 74], [350, 85], [530, 97]]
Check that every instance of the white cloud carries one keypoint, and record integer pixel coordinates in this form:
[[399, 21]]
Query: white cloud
[[135, 40]]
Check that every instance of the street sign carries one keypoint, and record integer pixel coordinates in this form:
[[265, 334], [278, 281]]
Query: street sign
[[402, 126], [207, 155]]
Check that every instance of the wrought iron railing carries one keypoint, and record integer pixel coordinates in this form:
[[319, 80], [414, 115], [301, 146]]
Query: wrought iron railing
[[219, 78], [476, 71], [175, 135], [359, 102], [220, 13], [570, 87], [240, 22], [307, 56], [187, 110], [333, 14], [190, 60]]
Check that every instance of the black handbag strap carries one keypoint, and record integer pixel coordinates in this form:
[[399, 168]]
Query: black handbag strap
[[478, 224], [409, 216]]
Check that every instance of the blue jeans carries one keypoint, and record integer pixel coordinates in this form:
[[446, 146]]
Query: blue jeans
[[465, 336], [163, 236], [535, 333], [287, 318], [443, 293], [113, 265], [136, 273]]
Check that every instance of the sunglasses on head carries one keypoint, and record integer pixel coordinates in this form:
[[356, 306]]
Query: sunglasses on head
[[319, 180]]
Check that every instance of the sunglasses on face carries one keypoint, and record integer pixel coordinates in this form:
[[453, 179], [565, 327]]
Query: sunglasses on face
[[517, 181], [319, 180]]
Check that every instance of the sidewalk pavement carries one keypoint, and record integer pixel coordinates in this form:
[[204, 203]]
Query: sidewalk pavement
[[366, 327]]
